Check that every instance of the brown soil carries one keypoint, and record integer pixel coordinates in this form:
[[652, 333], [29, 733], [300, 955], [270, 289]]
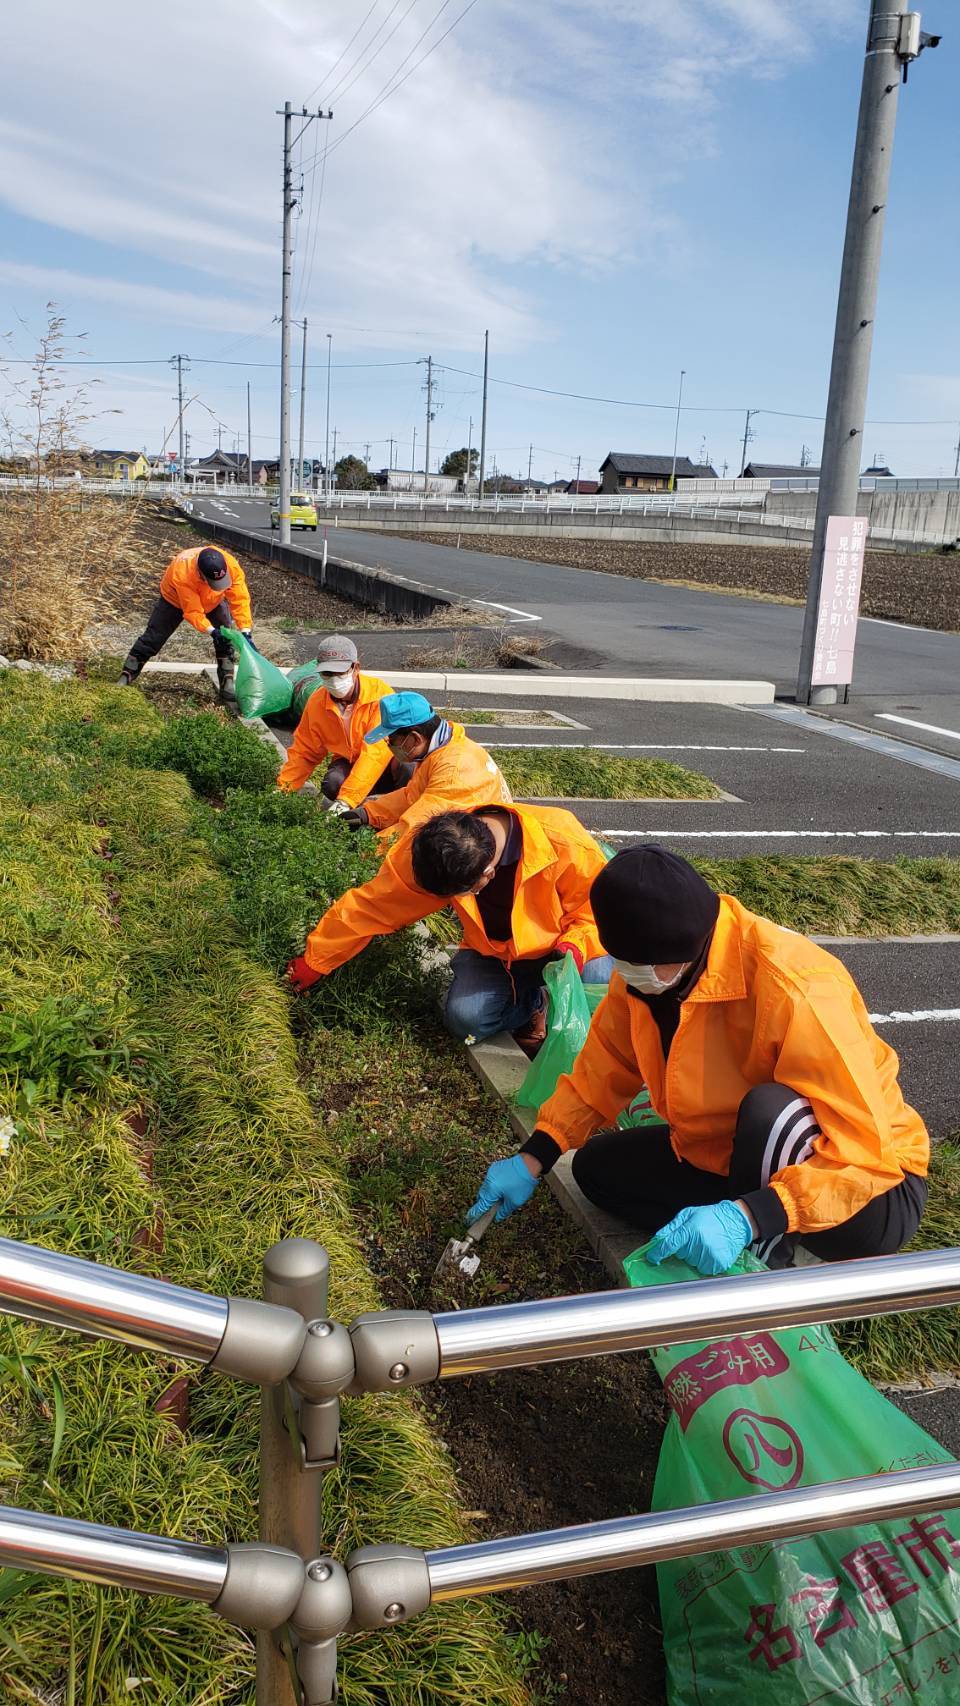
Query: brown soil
[[922, 589]]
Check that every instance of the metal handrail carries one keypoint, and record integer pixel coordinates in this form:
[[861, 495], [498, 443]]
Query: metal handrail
[[114, 1557]]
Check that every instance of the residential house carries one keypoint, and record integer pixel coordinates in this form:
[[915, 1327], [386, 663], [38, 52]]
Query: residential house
[[581, 488], [411, 480], [622, 471], [879, 471], [118, 465], [778, 471]]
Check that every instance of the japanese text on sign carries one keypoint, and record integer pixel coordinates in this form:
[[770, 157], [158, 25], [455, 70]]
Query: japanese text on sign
[[839, 605]]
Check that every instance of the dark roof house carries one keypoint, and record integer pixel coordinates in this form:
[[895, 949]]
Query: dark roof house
[[623, 470], [778, 471]]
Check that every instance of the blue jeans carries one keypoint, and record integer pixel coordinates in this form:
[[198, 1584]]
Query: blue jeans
[[484, 997]]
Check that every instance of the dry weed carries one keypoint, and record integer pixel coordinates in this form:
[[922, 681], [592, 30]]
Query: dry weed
[[64, 560]]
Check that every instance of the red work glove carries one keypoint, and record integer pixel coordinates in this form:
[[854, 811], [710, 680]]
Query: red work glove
[[302, 975], [570, 948]]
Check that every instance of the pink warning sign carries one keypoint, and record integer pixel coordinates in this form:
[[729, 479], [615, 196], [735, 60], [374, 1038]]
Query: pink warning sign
[[839, 601]]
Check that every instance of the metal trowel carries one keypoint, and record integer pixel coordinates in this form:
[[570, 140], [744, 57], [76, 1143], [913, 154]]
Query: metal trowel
[[461, 1255]]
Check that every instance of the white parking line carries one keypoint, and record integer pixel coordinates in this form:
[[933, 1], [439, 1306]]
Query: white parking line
[[631, 746], [920, 1016], [521, 615], [908, 722], [786, 834]]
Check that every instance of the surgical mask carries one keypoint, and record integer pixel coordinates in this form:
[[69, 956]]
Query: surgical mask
[[339, 685], [645, 979]]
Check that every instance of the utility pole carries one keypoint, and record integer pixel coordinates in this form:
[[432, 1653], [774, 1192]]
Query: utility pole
[[530, 465], [333, 470], [249, 441], [466, 477], [291, 199], [413, 461], [391, 443], [747, 436], [894, 38], [326, 447], [366, 453], [219, 436], [303, 393], [180, 359], [426, 454], [576, 488], [676, 435], [483, 417], [956, 465]]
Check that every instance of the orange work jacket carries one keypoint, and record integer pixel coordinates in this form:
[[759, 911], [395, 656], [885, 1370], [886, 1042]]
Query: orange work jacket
[[551, 903], [457, 777], [770, 1007], [184, 586], [324, 731]]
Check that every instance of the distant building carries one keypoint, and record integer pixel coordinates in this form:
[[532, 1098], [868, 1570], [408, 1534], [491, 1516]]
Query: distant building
[[879, 471], [581, 488], [118, 465], [411, 480], [622, 471], [779, 471]]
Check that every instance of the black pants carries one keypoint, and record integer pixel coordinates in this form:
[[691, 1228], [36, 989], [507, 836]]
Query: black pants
[[636, 1175], [396, 775], [165, 619]]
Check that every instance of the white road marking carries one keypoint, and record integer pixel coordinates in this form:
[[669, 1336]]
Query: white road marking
[[629, 746], [931, 728], [786, 834], [521, 615], [920, 1016]]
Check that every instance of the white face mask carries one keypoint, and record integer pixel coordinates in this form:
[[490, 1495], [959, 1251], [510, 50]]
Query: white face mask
[[339, 685], [645, 979]]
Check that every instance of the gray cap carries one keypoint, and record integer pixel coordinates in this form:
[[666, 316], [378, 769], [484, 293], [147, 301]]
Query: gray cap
[[336, 649]]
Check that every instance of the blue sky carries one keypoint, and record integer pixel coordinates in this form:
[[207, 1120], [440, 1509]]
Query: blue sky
[[617, 189]]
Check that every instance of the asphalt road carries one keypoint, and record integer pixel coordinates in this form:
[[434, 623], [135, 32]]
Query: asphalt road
[[618, 626]]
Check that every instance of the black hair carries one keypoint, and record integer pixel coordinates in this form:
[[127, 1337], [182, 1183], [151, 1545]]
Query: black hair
[[427, 729], [451, 852]]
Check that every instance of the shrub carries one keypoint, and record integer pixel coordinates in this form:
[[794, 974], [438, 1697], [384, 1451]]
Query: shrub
[[213, 755]]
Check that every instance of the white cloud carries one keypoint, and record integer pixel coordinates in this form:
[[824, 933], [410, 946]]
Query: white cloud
[[493, 159]]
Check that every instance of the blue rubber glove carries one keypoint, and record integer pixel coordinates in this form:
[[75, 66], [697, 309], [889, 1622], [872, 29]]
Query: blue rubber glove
[[510, 1182], [709, 1238]]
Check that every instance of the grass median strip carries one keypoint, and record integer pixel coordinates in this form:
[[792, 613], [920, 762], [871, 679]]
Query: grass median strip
[[844, 897], [579, 773], [161, 1125]]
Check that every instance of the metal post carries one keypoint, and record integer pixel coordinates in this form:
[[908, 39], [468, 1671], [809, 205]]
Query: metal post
[[295, 1274], [483, 417], [466, 478], [249, 442], [676, 435], [747, 435], [426, 454], [886, 55], [303, 395], [289, 203], [328, 485]]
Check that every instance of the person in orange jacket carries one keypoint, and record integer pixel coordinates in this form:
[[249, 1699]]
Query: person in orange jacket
[[208, 588], [337, 717], [518, 878], [779, 1116], [449, 769]]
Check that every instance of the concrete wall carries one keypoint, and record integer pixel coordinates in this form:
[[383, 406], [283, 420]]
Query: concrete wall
[[374, 588], [915, 516], [561, 524]]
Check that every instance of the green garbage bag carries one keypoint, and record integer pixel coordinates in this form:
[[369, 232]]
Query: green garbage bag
[[571, 1004], [260, 686], [304, 680], [867, 1616]]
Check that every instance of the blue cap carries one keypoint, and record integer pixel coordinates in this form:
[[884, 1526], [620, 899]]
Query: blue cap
[[400, 711]]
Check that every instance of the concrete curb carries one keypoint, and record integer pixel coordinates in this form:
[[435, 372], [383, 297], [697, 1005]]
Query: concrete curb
[[513, 684]]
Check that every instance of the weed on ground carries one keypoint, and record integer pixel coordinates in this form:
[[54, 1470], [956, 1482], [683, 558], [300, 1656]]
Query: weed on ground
[[580, 773]]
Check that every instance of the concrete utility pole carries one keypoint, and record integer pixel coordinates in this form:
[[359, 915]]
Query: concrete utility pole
[[894, 38], [413, 460], [956, 465], [483, 417], [676, 435], [303, 394], [426, 454], [747, 436], [249, 441], [291, 200], [576, 487], [326, 446], [179, 360], [391, 443], [466, 477], [530, 465]]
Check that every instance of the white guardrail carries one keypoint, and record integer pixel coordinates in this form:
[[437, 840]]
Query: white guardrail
[[728, 506]]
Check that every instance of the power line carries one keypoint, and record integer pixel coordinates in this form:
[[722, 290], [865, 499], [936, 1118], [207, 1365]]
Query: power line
[[355, 71], [342, 55], [391, 86]]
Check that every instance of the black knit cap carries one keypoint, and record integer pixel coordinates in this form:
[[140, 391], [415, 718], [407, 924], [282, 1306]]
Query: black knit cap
[[652, 907]]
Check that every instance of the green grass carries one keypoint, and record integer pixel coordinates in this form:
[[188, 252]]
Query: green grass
[[844, 897], [580, 773], [164, 1127]]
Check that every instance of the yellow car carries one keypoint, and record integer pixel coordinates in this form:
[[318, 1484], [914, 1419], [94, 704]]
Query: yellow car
[[303, 512]]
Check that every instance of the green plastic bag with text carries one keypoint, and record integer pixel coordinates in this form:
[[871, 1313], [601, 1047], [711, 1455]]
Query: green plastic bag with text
[[261, 687], [304, 680], [571, 1004], [866, 1616]]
